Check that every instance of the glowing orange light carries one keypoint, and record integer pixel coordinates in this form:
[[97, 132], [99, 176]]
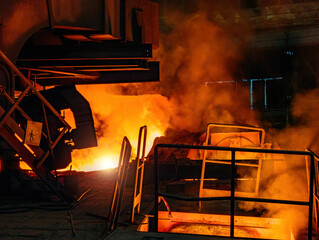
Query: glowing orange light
[[102, 162], [116, 116]]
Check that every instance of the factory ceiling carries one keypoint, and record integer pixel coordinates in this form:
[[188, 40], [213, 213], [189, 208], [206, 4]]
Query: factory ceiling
[[280, 25], [265, 24]]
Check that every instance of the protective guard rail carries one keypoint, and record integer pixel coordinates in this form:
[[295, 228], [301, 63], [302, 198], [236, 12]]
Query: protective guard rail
[[139, 172], [13, 134], [232, 197]]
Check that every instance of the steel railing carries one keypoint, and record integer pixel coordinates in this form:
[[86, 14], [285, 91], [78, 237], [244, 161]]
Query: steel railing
[[139, 172], [115, 207], [315, 186], [14, 134], [45, 104], [232, 198]]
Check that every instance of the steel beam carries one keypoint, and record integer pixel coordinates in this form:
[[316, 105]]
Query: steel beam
[[87, 51], [149, 74]]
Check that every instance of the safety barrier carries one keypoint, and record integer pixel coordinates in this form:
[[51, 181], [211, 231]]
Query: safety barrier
[[232, 198]]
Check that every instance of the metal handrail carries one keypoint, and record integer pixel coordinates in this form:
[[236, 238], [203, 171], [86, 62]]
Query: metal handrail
[[36, 92], [34, 156], [23, 113], [115, 207], [315, 180], [232, 197], [139, 172], [45, 103]]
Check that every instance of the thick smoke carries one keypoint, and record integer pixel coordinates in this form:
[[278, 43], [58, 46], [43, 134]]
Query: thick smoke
[[198, 86], [304, 133], [288, 178], [196, 52], [196, 57], [198, 61]]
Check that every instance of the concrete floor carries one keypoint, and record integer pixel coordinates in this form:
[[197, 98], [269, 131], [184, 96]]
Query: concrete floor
[[130, 235], [28, 222]]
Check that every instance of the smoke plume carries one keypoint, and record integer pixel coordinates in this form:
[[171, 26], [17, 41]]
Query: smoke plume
[[196, 57], [198, 85]]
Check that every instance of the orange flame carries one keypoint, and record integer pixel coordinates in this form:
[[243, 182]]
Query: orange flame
[[118, 116]]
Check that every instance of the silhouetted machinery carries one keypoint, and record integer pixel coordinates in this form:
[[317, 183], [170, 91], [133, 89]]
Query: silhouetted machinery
[[61, 98], [49, 46]]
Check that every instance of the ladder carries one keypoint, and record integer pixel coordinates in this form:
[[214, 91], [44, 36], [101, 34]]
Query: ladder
[[14, 134]]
